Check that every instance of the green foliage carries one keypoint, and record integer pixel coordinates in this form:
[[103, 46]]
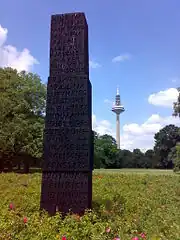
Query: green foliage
[[105, 151], [128, 204], [106, 155], [177, 159], [138, 158], [152, 160], [125, 159], [165, 140], [22, 105]]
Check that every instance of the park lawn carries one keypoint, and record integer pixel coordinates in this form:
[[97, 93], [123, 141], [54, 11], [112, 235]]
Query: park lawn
[[136, 170], [128, 204]]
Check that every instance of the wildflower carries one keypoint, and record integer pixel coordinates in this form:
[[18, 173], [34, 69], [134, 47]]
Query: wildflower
[[11, 206], [25, 220], [76, 217], [100, 177], [64, 238], [108, 229], [117, 238], [143, 235], [135, 238]]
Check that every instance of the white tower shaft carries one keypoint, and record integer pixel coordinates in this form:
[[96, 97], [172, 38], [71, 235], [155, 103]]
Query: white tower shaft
[[118, 131], [118, 109]]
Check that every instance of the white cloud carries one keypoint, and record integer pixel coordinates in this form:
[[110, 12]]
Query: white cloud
[[3, 35], [164, 98], [122, 58], [102, 127], [136, 135], [142, 135], [11, 57], [107, 101], [93, 64], [175, 80]]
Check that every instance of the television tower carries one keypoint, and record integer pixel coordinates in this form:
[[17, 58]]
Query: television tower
[[117, 108]]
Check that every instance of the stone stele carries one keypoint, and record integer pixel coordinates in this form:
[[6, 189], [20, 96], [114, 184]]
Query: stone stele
[[68, 139]]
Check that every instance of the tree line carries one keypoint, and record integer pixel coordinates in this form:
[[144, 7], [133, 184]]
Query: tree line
[[22, 115], [165, 155]]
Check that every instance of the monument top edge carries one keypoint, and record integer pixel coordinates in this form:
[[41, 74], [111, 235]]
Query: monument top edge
[[73, 14]]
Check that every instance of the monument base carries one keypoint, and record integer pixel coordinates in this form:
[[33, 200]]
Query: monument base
[[66, 192]]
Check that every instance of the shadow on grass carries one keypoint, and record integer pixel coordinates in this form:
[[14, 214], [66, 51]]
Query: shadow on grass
[[108, 208], [21, 171]]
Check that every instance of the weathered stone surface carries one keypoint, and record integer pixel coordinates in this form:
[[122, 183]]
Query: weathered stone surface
[[69, 44], [68, 142], [68, 149], [73, 188]]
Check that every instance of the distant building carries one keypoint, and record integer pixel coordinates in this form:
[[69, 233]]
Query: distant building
[[117, 108]]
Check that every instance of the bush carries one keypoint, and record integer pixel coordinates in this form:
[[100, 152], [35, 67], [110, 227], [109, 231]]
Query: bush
[[123, 204]]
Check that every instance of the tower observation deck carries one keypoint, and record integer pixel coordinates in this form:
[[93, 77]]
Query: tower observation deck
[[117, 108]]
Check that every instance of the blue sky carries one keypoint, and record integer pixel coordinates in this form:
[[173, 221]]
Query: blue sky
[[146, 31]]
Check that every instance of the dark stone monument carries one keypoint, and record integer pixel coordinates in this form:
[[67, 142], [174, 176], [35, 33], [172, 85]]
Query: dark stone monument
[[68, 140]]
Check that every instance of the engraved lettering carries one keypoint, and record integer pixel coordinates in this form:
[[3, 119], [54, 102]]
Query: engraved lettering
[[67, 163]]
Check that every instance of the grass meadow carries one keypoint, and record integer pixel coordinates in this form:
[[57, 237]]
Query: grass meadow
[[126, 203], [134, 171]]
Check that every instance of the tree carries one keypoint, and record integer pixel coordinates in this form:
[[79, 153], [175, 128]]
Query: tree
[[22, 108], [177, 159], [125, 159], [108, 139], [97, 151], [152, 160], [137, 158], [175, 153], [176, 106], [165, 140], [105, 151]]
